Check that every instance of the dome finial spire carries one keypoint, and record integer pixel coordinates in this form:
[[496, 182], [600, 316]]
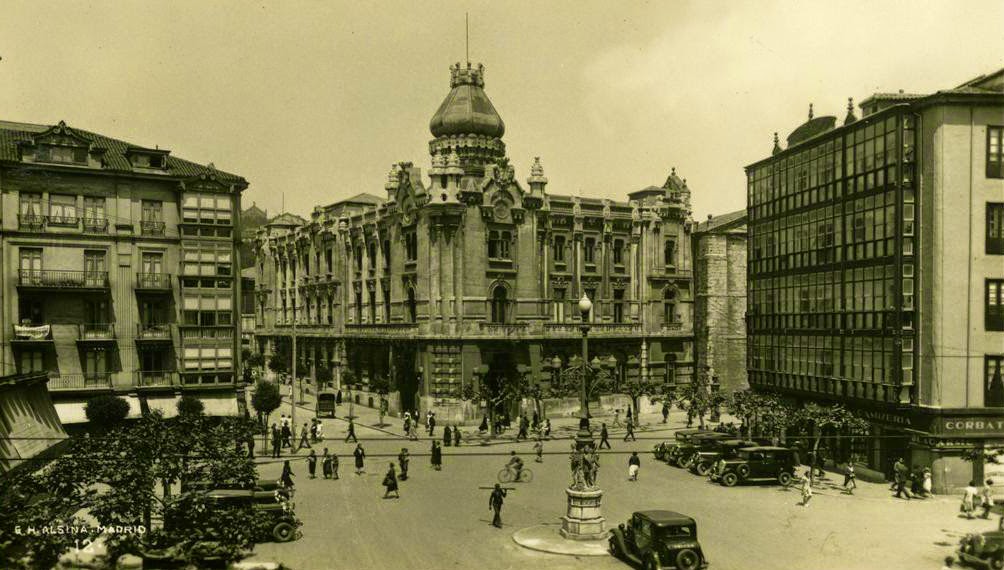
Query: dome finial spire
[[810, 110], [777, 145], [850, 118]]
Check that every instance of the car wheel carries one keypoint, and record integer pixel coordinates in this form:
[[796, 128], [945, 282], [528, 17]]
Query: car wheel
[[730, 479], [614, 551], [997, 563], [687, 559], [702, 469], [784, 478], [283, 532], [743, 471]]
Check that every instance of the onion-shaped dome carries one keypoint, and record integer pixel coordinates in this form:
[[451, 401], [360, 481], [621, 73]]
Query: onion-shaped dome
[[467, 109]]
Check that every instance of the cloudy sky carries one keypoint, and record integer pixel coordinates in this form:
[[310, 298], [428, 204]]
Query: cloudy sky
[[313, 101]]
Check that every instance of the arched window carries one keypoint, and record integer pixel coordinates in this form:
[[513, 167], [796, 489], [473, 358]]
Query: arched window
[[412, 306], [669, 306], [499, 303], [669, 253]]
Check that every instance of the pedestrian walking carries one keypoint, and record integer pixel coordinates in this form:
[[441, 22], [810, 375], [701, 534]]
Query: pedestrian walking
[[457, 436], [536, 421], [617, 418], [630, 430], [634, 465], [968, 499], [313, 430], [334, 466], [287, 433], [403, 459], [483, 428], [318, 430], [312, 464], [286, 479], [850, 479], [414, 431], [665, 411], [630, 416], [900, 473], [390, 483], [276, 441], [987, 497], [360, 455], [547, 428], [523, 425], [927, 485], [807, 487], [326, 464], [304, 438], [447, 435], [690, 417], [437, 456], [352, 432], [432, 424], [604, 437], [495, 504], [407, 423], [538, 448]]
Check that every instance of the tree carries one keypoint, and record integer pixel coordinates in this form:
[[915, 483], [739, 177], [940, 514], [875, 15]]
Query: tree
[[381, 386], [748, 406], [190, 405], [106, 411], [695, 398], [635, 389], [488, 392], [255, 360], [266, 399], [597, 379], [277, 363], [818, 417], [324, 375]]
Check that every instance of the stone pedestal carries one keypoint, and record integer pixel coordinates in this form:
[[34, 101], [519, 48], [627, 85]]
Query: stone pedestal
[[584, 519]]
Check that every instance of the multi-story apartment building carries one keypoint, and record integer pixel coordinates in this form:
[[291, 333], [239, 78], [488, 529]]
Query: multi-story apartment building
[[876, 269], [720, 299], [472, 276], [118, 269]]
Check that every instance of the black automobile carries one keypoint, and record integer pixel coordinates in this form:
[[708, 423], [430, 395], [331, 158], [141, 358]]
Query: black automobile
[[704, 460], [274, 506], [658, 539], [986, 549], [685, 452], [664, 451], [761, 463]]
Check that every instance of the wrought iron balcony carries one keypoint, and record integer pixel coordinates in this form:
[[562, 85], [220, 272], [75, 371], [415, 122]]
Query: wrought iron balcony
[[154, 281], [96, 225], [503, 329], [62, 279], [154, 332], [96, 332], [31, 222], [595, 329], [225, 332], [152, 228], [149, 378], [87, 381], [32, 333]]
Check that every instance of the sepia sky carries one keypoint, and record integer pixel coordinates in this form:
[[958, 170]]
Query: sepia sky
[[313, 101]]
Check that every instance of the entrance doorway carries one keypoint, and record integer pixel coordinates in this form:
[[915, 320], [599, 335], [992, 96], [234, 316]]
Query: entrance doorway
[[501, 372], [405, 376]]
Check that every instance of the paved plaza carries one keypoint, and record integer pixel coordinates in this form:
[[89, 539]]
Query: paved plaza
[[442, 519]]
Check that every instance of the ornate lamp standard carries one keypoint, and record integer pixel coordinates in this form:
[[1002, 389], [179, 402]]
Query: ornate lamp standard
[[584, 519]]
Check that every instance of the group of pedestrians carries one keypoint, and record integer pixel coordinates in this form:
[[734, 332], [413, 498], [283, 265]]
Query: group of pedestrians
[[982, 498], [329, 464], [282, 435]]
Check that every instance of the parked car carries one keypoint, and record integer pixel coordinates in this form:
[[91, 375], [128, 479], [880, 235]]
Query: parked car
[[711, 451], [983, 550], [258, 485], [274, 505], [663, 450], [326, 404], [685, 451], [760, 463], [658, 539]]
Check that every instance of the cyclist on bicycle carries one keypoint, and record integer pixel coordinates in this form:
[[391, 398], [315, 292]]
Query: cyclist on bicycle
[[516, 464]]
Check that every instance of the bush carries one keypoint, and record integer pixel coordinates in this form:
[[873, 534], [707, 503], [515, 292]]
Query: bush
[[189, 405], [106, 410], [266, 397]]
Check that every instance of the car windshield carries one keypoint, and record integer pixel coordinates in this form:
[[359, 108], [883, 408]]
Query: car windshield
[[743, 455]]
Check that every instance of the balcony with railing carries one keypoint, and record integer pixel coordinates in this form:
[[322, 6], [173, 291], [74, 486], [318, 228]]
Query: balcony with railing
[[503, 330], [62, 279], [147, 332], [32, 333], [192, 332], [595, 329], [31, 222], [153, 281], [382, 330], [155, 378], [95, 225], [97, 332], [152, 228], [87, 381]]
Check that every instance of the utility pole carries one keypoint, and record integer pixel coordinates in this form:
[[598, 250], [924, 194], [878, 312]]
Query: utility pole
[[292, 385]]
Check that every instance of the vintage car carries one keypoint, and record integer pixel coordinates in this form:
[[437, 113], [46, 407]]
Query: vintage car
[[683, 453], [761, 463], [711, 451], [326, 404], [258, 485], [662, 450], [274, 505], [985, 549], [657, 540]]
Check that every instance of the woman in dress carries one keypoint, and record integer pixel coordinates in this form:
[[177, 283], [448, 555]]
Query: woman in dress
[[286, 479], [360, 455], [437, 456], [968, 499], [390, 483]]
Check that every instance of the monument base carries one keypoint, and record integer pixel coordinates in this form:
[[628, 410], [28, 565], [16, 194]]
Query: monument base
[[584, 519]]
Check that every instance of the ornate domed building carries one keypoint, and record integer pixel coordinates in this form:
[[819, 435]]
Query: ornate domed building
[[451, 287]]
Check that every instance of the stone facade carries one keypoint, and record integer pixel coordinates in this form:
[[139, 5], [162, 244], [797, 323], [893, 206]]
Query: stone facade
[[471, 276], [113, 254], [720, 302]]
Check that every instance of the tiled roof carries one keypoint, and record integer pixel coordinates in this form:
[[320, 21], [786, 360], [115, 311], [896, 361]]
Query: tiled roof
[[12, 133], [720, 221], [286, 219]]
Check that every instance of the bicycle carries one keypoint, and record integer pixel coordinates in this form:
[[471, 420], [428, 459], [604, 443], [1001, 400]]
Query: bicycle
[[508, 475]]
